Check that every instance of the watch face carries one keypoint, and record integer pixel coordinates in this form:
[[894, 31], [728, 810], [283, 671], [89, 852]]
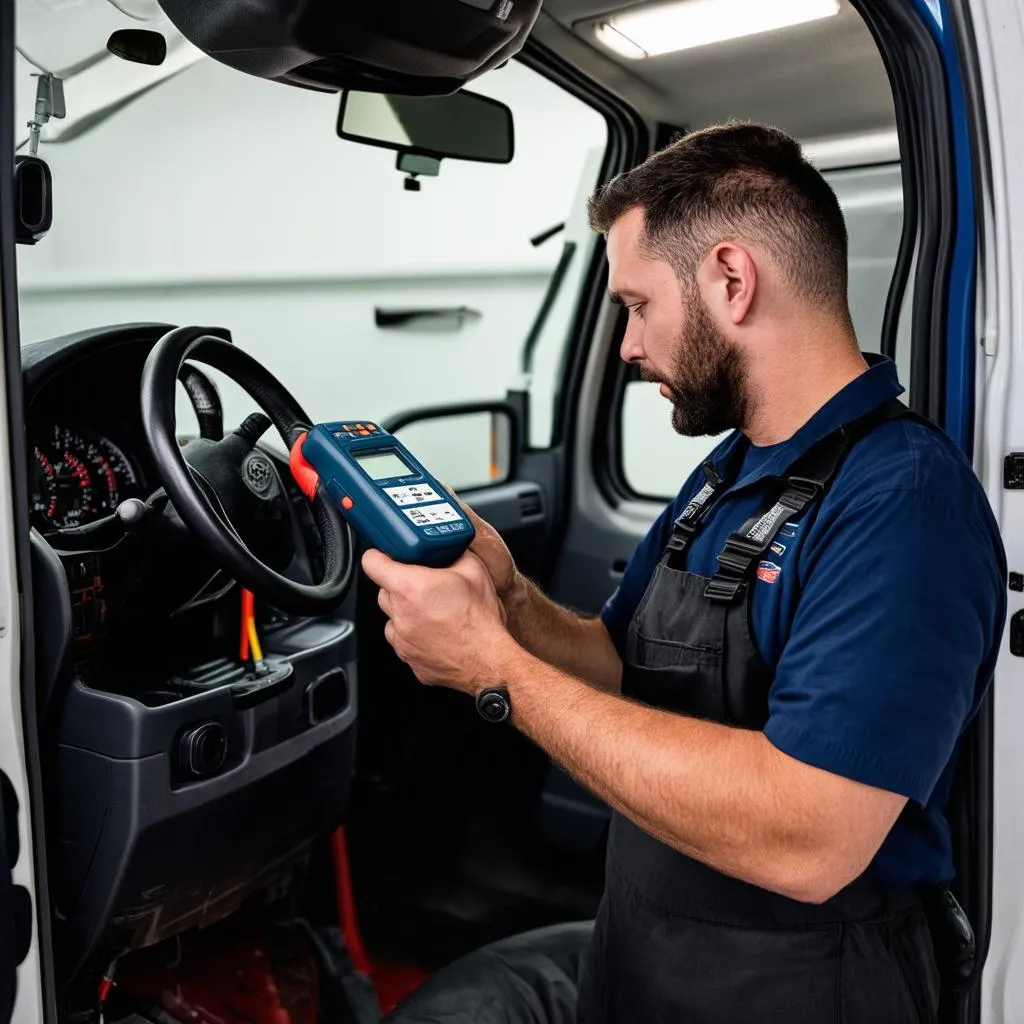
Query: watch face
[[493, 705]]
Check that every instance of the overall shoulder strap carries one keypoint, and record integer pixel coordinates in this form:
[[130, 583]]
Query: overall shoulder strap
[[806, 480], [690, 520]]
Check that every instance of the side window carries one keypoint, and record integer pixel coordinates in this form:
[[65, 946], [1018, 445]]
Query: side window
[[655, 460], [543, 356], [466, 450], [365, 298]]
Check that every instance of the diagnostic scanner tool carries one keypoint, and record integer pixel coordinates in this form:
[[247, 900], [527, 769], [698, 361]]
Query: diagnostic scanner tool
[[391, 501]]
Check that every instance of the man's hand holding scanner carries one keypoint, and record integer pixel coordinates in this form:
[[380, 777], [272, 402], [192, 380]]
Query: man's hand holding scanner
[[447, 625]]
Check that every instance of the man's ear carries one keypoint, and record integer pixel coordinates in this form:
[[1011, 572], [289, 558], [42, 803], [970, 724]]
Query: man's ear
[[730, 281]]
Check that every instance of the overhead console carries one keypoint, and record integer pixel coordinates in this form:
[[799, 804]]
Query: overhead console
[[398, 46]]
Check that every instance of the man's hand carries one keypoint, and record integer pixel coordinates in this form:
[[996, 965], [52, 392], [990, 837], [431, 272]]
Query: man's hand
[[491, 550], [554, 634], [447, 625]]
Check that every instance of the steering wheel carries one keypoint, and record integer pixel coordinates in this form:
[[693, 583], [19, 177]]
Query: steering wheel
[[218, 488]]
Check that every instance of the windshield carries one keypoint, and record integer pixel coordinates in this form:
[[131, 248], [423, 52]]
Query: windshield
[[191, 193]]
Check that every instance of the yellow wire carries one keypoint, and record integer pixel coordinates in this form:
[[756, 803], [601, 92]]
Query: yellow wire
[[254, 641]]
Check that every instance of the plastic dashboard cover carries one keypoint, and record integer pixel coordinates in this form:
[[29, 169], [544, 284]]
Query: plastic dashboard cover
[[410, 47]]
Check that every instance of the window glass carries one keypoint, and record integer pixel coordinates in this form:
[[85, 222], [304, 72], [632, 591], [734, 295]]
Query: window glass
[[466, 451], [222, 199]]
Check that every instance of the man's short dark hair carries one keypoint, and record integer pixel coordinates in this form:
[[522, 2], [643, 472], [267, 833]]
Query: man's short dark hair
[[736, 182]]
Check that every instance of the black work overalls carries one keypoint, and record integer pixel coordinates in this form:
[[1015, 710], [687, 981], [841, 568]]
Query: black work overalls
[[676, 942]]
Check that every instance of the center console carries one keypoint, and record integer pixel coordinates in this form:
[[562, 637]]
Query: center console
[[178, 797]]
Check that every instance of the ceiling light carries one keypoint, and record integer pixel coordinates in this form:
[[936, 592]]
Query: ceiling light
[[665, 28]]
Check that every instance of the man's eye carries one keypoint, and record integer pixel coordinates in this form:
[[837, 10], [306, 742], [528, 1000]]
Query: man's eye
[[638, 309]]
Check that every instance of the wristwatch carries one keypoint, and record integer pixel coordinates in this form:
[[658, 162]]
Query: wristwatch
[[493, 704]]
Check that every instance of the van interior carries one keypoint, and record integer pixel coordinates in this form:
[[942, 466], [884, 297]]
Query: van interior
[[222, 244]]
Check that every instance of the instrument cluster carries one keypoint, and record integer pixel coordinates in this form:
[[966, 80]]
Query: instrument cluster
[[78, 476]]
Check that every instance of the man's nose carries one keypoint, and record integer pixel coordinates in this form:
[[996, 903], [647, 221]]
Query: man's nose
[[631, 350]]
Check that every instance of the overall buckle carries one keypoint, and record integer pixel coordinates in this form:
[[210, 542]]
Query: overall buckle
[[805, 487], [724, 590], [739, 554]]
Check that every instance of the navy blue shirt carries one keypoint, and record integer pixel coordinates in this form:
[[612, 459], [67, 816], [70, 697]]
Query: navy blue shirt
[[880, 609]]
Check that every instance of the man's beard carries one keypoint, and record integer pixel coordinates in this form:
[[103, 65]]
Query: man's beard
[[708, 385]]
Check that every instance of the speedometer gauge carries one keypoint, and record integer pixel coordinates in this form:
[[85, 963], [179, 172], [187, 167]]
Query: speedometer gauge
[[78, 477], [44, 487], [72, 478], [114, 474]]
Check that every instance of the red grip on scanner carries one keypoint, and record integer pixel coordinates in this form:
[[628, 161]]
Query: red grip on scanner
[[305, 475]]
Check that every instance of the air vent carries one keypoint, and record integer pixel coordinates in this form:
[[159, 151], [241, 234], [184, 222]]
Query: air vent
[[531, 505]]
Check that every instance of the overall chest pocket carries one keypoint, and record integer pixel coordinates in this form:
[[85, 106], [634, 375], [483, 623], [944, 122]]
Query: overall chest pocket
[[675, 649], [662, 652], [675, 619]]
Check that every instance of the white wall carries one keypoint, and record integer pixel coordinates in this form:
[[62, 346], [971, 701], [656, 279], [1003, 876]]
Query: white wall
[[320, 339], [222, 199]]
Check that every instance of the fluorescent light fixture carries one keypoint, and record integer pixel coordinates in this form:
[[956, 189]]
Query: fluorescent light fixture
[[649, 31]]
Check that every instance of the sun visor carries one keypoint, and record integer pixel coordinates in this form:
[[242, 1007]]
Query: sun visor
[[410, 47]]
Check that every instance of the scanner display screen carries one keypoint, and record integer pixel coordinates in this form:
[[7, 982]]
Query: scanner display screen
[[383, 465]]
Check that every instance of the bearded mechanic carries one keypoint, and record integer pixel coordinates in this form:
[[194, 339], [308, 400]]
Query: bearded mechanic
[[771, 701]]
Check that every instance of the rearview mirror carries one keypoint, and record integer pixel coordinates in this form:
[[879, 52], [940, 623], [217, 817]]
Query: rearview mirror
[[462, 126], [138, 45]]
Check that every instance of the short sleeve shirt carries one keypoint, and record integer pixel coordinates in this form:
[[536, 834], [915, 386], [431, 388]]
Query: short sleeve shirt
[[880, 609]]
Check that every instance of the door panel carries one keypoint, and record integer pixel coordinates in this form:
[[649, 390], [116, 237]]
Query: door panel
[[519, 512], [591, 564]]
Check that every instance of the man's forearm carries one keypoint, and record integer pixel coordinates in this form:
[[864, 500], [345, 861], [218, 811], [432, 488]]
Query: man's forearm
[[724, 796], [558, 636]]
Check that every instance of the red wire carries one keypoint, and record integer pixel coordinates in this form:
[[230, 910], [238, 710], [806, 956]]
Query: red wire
[[248, 603], [105, 986], [347, 905]]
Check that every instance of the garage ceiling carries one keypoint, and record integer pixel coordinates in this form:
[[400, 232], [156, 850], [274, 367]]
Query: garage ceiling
[[820, 79], [816, 80]]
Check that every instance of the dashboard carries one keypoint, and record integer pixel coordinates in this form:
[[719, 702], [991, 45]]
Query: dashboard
[[86, 452], [140, 688]]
